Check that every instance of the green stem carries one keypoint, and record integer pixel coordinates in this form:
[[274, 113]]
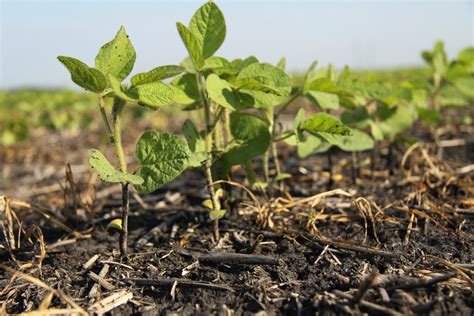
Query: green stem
[[208, 142], [105, 119], [116, 115], [284, 106], [227, 131]]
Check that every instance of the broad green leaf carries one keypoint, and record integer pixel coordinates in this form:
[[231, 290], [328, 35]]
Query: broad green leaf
[[357, 141], [451, 96], [117, 57], [429, 116], [312, 145], [162, 158], [187, 90], [396, 120], [108, 173], [88, 78], [466, 86], [324, 100], [265, 76], [258, 99], [154, 94], [214, 62], [156, 74], [219, 66], [323, 122], [208, 26], [217, 214], [376, 131], [326, 85], [220, 92], [119, 90], [196, 144], [251, 139], [240, 64], [192, 44]]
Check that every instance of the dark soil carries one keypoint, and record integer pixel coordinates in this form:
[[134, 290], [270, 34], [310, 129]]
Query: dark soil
[[402, 243]]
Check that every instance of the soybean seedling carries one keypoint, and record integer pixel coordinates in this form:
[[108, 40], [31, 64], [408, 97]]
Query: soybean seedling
[[162, 156]]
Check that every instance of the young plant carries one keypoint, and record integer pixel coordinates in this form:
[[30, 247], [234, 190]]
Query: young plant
[[162, 156], [452, 82], [224, 90]]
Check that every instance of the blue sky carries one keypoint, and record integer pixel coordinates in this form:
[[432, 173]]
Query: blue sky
[[362, 34]]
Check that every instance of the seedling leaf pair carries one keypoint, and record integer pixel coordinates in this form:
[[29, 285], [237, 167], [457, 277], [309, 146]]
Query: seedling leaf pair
[[205, 34]]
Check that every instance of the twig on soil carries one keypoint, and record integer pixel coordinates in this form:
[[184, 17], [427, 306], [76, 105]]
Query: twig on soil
[[236, 258], [89, 263], [372, 306], [420, 283], [181, 283], [364, 286], [103, 272], [104, 283], [347, 246]]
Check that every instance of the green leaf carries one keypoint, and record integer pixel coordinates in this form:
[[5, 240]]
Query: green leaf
[[358, 141], [309, 73], [326, 85], [396, 120], [217, 214], [258, 99], [156, 74], [88, 78], [153, 95], [429, 116], [324, 100], [282, 63], [251, 139], [108, 173], [187, 90], [192, 44], [264, 78], [323, 122], [312, 145], [117, 57], [162, 158], [240, 64], [208, 26], [220, 92], [119, 90], [196, 144], [297, 125], [466, 86]]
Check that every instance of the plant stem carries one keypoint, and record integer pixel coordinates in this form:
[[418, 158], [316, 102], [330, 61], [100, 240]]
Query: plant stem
[[284, 106], [227, 132], [104, 117], [116, 115], [208, 142], [276, 161]]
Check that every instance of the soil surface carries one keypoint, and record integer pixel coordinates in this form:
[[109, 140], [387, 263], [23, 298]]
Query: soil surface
[[392, 235]]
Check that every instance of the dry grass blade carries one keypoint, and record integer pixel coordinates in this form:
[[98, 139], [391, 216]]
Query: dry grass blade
[[66, 299], [236, 184]]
